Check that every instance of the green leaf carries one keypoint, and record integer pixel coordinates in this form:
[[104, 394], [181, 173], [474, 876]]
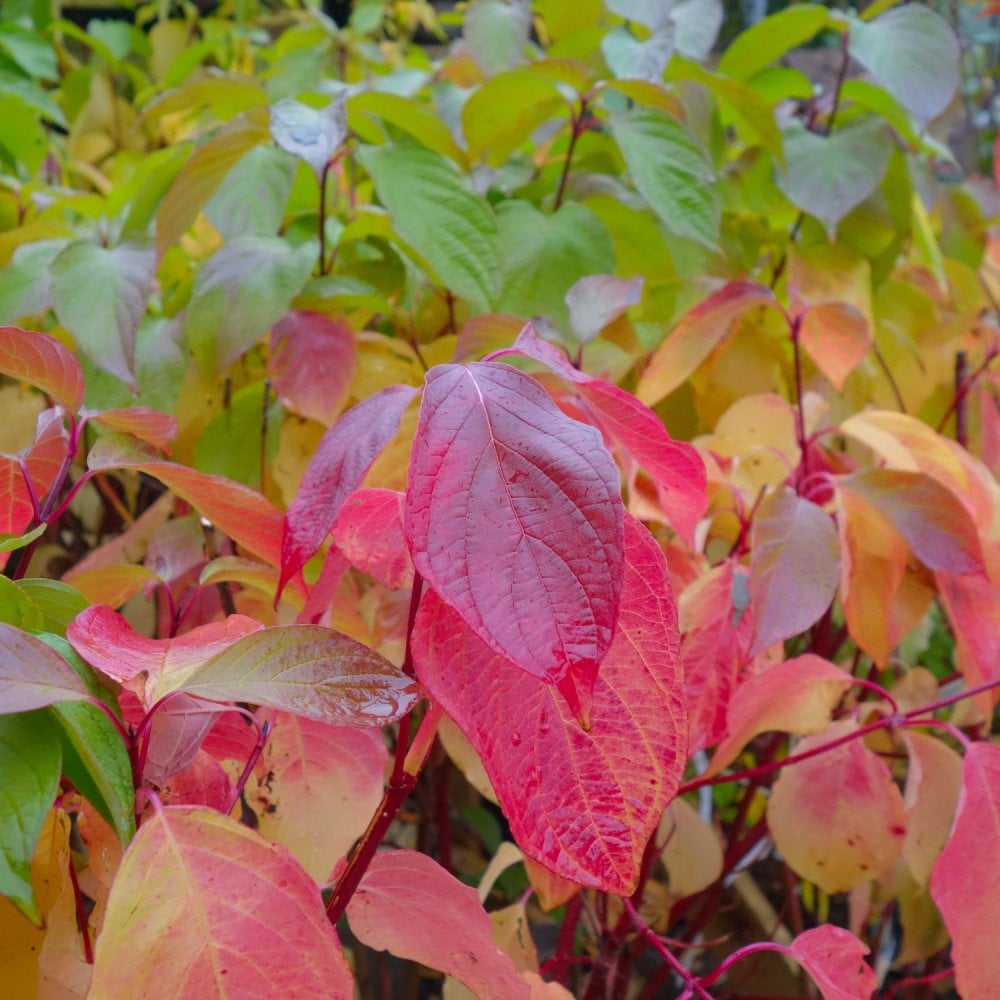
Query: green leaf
[[503, 113], [311, 134], [32, 53], [496, 34], [412, 116], [32, 95], [872, 97], [543, 256], [435, 211], [629, 58], [672, 172], [768, 40], [96, 761], [253, 199], [914, 54], [201, 176], [8, 543], [245, 288], [94, 684], [58, 603], [25, 286], [17, 608], [22, 138], [31, 763], [830, 175], [100, 297], [230, 445]]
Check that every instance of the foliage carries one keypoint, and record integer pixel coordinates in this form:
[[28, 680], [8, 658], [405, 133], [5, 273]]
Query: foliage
[[556, 453]]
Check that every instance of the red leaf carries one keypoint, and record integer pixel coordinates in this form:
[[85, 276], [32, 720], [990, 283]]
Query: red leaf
[[202, 783], [318, 787], [148, 425], [834, 958], [797, 696], [676, 468], [514, 516], [838, 817], [344, 455], [410, 906], [584, 804], [204, 907], [43, 459], [312, 363], [33, 675], [964, 877], [236, 510], [107, 641], [794, 566], [369, 531], [693, 339], [43, 362], [934, 522]]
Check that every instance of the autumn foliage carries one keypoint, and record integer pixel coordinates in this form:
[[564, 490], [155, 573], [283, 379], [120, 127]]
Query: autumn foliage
[[513, 518]]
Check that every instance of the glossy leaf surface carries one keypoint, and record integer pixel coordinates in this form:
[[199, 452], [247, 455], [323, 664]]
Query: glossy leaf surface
[[44, 362]]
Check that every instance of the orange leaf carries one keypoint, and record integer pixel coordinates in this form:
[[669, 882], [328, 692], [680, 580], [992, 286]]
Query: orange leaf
[[838, 818], [837, 337], [43, 362], [205, 907], [693, 339], [796, 696]]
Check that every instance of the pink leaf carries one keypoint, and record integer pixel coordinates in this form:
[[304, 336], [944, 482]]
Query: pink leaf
[[106, 641], [205, 907], [148, 425], [410, 906], [837, 336], [693, 339], [318, 787], [596, 300], [202, 783], [43, 362], [834, 958], [344, 455], [934, 522], [964, 880], [312, 364], [794, 566], [797, 696], [584, 804], [236, 510], [369, 531], [514, 516], [837, 817], [32, 674]]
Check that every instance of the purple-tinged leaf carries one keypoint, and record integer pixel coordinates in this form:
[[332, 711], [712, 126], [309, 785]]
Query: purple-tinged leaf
[[344, 455], [515, 518], [33, 675], [597, 300]]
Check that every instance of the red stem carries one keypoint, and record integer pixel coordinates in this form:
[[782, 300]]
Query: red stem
[[81, 915], [578, 119]]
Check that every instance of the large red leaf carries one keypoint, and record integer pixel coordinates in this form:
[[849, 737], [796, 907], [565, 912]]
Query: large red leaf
[[344, 455], [698, 332], [514, 516], [834, 958], [934, 522], [43, 362], [794, 566], [107, 641], [965, 880], [369, 531], [32, 674], [317, 788], [796, 696], [409, 905], [312, 363], [676, 468], [238, 511], [582, 803], [205, 907], [838, 817]]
